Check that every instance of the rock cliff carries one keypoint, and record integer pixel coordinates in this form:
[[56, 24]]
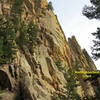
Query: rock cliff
[[40, 66]]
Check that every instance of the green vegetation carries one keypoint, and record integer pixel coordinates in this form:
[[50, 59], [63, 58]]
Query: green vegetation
[[24, 36], [28, 35], [93, 12], [7, 40], [71, 84], [32, 31], [17, 6], [15, 32], [8, 30], [59, 65], [50, 7], [58, 96], [91, 98]]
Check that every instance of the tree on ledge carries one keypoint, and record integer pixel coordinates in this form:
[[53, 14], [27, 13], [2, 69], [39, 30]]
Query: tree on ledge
[[50, 7]]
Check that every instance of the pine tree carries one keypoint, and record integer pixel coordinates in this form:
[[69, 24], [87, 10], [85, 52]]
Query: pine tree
[[96, 46], [71, 86], [7, 40], [50, 7], [93, 12]]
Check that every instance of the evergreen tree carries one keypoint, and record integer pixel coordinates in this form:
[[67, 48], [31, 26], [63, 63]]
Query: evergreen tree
[[96, 46], [32, 31], [17, 6], [71, 85], [93, 12], [50, 7], [7, 40]]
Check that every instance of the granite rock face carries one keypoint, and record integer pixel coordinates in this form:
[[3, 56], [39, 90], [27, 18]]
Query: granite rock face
[[36, 76]]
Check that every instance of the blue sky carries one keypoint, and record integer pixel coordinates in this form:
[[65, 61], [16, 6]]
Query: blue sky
[[70, 16]]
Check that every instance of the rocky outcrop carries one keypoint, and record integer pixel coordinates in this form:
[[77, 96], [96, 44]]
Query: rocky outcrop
[[36, 75]]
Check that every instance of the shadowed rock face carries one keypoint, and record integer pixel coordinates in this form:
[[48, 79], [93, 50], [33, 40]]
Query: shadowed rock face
[[35, 75], [4, 81]]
